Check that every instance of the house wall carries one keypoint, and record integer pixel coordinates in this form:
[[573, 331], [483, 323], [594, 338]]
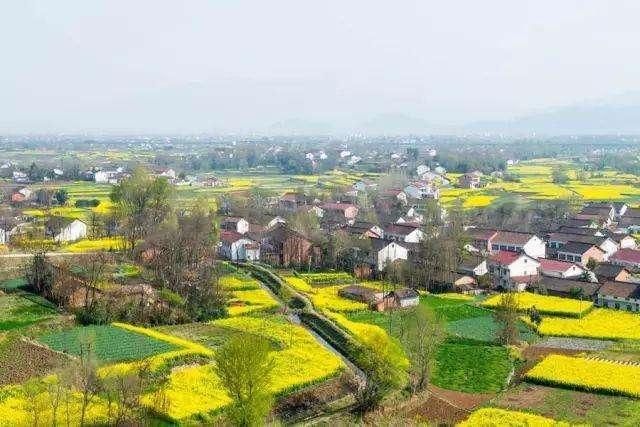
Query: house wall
[[74, 231], [617, 303], [242, 226], [415, 236], [609, 247], [3, 237], [535, 248], [390, 253]]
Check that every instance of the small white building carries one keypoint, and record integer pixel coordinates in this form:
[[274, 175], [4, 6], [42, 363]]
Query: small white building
[[236, 247], [513, 270], [75, 230], [513, 241], [237, 224], [388, 252]]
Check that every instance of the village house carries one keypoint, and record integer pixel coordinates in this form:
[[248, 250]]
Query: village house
[[623, 240], [64, 230], [473, 265], [604, 214], [347, 211], [619, 296], [580, 253], [470, 180], [513, 241], [561, 269], [275, 221], [291, 202], [284, 247], [387, 252], [422, 169], [361, 293], [396, 194], [627, 257], [568, 288], [237, 224], [607, 272], [315, 210], [421, 191], [401, 298], [608, 245], [404, 232], [108, 177], [481, 239], [513, 270], [237, 247], [364, 229], [581, 223]]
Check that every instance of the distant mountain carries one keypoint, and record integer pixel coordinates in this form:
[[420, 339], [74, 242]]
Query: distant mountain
[[615, 115], [301, 127]]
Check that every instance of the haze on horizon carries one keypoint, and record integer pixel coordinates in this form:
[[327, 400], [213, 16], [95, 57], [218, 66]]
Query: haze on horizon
[[243, 66]]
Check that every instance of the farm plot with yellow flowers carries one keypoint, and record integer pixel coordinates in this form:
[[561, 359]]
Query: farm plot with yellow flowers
[[492, 417], [246, 295], [545, 304], [593, 375], [600, 323], [195, 391]]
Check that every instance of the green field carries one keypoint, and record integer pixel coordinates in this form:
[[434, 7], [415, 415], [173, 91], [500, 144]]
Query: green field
[[110, 343], [472, 368], [17, 311]]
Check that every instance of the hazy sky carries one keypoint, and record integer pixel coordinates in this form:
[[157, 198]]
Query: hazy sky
[[235, 65]]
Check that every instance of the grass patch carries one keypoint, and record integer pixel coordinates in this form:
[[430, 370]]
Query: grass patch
[[111, 344], [16, 312]]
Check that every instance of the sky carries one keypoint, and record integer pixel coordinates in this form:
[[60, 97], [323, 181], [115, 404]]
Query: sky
[[243, 66]]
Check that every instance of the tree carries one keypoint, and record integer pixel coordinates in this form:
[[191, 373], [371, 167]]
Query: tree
[[244, 367], [506, 315], [61, 196], [87, 380], [39, 275], [141, 203], [422, 335], [559, 175]]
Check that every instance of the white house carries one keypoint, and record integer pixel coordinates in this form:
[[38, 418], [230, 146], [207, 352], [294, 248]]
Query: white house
[[237, 224], [560, 269], [388, 252], [513, 270], [3, 236], [236, 247], [513, 241], [403, 232], [75, 230]]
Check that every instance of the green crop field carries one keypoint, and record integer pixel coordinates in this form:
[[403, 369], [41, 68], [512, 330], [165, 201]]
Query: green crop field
[[472, 368], [110, 343], [16, 311]]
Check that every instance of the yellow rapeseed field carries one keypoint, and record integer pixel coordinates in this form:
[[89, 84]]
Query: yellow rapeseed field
[[600, 323], [95, 245], [494, 417], [597, 375], [250, 301], [545, 304], [195, 391]]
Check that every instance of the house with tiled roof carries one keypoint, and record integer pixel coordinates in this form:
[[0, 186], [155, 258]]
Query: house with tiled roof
[[569, 288], [608, 272], [404, 232], [238, 247], [608, 245], [514, 241], [234, 223], [513, 270], [347, 211], [481, 238], [580, 253], [627, 257], [619, 296], [561, 269]]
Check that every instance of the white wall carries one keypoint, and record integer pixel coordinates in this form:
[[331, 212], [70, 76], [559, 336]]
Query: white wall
[[535, 248], [390, 253]]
